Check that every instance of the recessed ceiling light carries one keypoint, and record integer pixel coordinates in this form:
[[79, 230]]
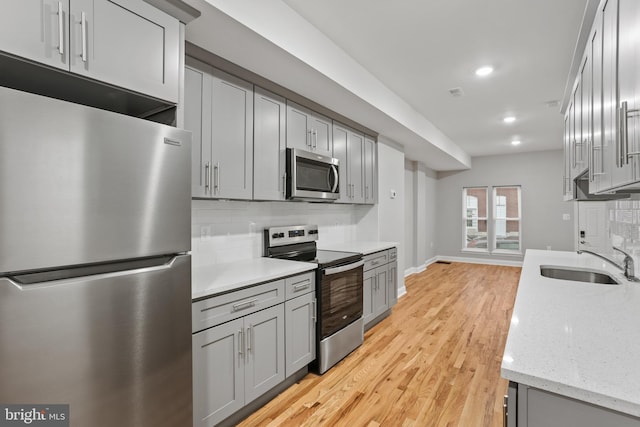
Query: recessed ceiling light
[[516, 142], [509, 119], [484, 71]]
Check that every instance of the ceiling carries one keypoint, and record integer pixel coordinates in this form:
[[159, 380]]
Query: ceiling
[[391, 68], [420, 49]]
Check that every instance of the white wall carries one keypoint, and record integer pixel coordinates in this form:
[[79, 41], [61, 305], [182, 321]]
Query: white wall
[[420, 216], [539, 174]]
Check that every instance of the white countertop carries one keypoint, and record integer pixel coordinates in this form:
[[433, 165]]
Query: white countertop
[[214, 279], [577, 339], [364, 248]]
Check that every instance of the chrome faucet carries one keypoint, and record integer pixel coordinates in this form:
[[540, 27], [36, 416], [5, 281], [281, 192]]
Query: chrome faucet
[[627, 264]]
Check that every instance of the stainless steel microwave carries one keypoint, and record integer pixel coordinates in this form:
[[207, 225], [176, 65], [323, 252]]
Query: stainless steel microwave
[[311, 176]]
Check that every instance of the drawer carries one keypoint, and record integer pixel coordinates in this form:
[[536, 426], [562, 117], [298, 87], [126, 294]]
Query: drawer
[[222, 308], [393, 254], [375, 260], [299, 285]]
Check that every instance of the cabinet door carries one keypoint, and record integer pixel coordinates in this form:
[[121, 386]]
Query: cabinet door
[[300, 332], [197, 119], [218, 373], [322, 137], [126, 43], [231, 137], [264, 369], [392, 276], [355, 146], [578, 159], [601, 153], [629, 83], [269, 139], [369, 170], [585, 120], [567, 181], [340, 152], [36, 30], [381, 295], [368, 295], [298, 127]]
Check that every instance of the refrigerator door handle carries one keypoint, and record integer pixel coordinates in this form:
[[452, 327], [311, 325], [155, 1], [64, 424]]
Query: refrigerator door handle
[[98, 271]]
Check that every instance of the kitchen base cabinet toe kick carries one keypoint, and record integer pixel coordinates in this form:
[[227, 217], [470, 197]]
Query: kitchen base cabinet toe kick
[[250, 345]]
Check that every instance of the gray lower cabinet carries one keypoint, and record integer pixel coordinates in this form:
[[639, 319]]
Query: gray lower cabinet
[[219, 112], [300, 330], [269, 143], [236, 362], [125, 43], [380, 291], [248, 341], [539, 408]]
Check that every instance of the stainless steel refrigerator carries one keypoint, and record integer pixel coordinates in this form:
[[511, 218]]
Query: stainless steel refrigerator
[[95, 271]]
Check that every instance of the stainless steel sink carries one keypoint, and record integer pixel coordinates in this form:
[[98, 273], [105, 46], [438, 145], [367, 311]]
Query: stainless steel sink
[[578, 274]]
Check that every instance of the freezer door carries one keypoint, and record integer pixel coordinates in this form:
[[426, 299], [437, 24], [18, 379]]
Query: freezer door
[[114, 346], [80, 185]]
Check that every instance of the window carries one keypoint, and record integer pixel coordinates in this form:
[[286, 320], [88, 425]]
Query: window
[[497, 231], [506, 219], [475, 218]]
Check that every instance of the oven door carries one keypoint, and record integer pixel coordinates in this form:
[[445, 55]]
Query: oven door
[[340, 297], [311, 176]]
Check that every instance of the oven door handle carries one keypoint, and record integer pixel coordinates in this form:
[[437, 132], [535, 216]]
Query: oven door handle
[[342, 269]]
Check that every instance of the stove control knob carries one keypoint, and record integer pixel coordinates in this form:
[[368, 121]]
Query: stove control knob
[[275, 235], [281, 235]]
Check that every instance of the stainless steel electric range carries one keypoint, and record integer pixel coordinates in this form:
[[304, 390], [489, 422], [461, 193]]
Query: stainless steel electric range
[[339, 286]]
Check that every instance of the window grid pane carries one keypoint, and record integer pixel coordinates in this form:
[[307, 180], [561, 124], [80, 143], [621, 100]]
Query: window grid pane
[[507, 219], [475, 218]]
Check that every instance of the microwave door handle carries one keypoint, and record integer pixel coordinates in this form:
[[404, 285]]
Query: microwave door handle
[[334, 187], [342, 269]]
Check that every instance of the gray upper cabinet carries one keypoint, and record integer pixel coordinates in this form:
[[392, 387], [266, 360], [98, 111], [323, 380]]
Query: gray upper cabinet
[[36, 30], [231, 137], [600, 177], [348, 148], [269, 143], [308, 130], [125, 43], [219, 112], [369, 170]]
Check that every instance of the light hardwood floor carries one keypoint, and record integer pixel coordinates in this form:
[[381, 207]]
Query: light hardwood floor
[[434, 362]]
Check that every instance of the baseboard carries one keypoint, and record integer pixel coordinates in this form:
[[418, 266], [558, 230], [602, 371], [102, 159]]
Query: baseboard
[[487, 261], [419, 269], [402, 291]]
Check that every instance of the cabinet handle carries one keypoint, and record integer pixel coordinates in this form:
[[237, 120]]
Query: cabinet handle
[[505, 405], [207, 177], [244, 305], [83, 28], [216, 178], [575, 160], [284, 184], [60, 29], [300, 287], [309, 136], [240, 342], [590, 162], [314, 316], [624, 140], [249, 338]]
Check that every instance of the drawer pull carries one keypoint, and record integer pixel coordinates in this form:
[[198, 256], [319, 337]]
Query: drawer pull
[[302, 286], [245, 304]]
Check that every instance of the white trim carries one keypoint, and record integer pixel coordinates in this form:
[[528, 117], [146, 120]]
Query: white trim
[[488, 261], [419, 269], [402, 291]]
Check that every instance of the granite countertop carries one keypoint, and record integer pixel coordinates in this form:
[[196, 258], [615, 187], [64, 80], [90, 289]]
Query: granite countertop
[[576, 339], [364, 248], [210, 280]]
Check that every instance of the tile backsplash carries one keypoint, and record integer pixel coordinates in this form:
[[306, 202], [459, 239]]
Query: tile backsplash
[[225, 231], [623, 218]]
